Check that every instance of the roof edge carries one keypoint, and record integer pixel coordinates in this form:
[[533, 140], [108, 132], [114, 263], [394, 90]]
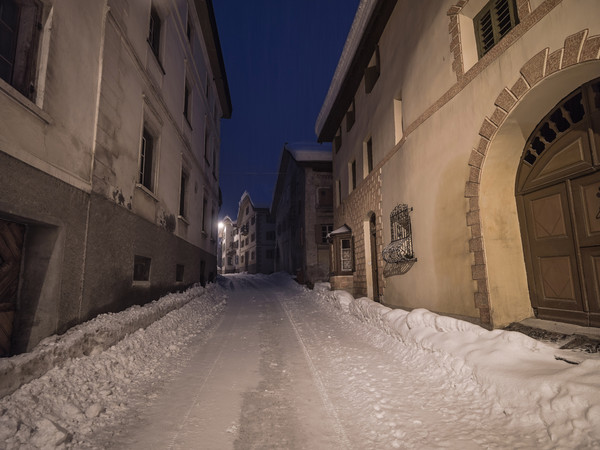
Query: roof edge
[[368, 25], [206, 15]]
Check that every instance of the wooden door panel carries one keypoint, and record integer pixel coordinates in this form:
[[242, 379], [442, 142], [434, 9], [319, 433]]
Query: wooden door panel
[[552, 249], [11, 247], [586, 199], [590, 258]]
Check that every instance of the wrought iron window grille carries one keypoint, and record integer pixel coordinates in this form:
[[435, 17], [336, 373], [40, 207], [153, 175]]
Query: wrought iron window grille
[[399, 254]]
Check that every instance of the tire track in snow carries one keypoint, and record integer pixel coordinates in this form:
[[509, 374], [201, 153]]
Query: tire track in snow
[[207, 376], [340, 431]]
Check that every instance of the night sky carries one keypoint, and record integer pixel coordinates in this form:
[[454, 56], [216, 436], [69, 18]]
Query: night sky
[[280, 56]]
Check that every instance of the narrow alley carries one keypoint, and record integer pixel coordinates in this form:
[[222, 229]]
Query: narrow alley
[[261, 362]]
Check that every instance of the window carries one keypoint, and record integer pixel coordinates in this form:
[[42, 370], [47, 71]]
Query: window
[[368, 157], [325, 230], [270, 235], [372, 72], [493, 22], [154, 32], [212, 224], [187, 103], [252, 256], [19, 39], [229, 261], [253, 220], [206, 139], [324, 197], [182, 194], [252, 237], [346, 255], [204, 203], [146, 160], [352, 175], [247, 209], [242, 260], [342, 253], [400, 248], [337, 140], [350, 117], [141, 268], [399, 130], [179, 272], [338, 185], [190, 30]]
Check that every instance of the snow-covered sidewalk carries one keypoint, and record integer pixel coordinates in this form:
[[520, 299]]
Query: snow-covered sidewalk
[[281, 366], [84, 394]]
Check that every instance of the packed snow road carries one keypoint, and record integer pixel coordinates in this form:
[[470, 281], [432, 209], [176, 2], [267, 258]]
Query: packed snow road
[[280, 367]]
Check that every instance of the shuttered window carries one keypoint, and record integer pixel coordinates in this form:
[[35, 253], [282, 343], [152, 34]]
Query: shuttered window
[[493, 22]]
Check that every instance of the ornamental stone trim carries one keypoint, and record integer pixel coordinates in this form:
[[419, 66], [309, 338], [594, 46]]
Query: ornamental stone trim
[[577, 48]]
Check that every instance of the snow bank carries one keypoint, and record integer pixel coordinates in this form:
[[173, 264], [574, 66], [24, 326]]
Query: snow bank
[[531, 380], [90, 337], [74, 403]]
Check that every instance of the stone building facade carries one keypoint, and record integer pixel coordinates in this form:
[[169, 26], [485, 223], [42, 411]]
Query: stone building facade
[[303, 210], [229, 243], [109, 154], [465, 139], [256, 238]]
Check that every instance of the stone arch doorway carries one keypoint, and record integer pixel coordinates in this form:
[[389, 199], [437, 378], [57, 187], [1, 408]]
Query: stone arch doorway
[[501, 291], [558, 202]]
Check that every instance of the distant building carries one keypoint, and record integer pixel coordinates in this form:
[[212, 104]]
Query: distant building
[[109, 156], [303, 210], [465, 139], [229, 245], [256, 237]]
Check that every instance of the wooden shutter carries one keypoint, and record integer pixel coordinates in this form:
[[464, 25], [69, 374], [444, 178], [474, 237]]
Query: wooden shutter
[[493, 22]]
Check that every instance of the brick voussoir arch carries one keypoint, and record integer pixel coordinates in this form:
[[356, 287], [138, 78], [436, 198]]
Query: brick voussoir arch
[[578, 48]]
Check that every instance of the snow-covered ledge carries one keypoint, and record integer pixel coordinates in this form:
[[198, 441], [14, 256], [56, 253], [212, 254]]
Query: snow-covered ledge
[[87, 338]]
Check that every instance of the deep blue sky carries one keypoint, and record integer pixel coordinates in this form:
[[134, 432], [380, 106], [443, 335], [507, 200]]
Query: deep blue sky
[[280, 56]]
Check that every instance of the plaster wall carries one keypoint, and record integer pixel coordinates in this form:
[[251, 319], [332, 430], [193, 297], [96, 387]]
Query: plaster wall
[[428, 169], [140, 90], [55, 132]]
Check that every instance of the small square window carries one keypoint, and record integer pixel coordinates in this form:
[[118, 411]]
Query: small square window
[[141, 268], [325, 230], [179, 272]]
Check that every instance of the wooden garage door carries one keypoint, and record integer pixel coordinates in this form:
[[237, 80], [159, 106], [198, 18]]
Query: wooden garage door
[[11, 247]]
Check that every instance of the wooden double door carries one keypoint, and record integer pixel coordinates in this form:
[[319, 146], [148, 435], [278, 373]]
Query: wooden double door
[[11, 248], [558, 195], [563, 229]]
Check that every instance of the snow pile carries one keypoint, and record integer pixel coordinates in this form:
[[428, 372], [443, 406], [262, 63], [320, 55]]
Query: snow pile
[[90, 337], [94, 384], [531, 380]]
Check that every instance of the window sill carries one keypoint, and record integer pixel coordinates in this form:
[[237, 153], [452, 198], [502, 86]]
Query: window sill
[[140, 283], [183, 219], [20, 99], [146, 191]]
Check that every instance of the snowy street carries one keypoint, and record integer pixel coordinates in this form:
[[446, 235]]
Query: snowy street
[[280, 366]]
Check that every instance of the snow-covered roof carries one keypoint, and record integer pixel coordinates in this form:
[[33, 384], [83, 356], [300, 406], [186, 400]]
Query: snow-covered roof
[[363, 14], [307, 152], [341, 230]]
